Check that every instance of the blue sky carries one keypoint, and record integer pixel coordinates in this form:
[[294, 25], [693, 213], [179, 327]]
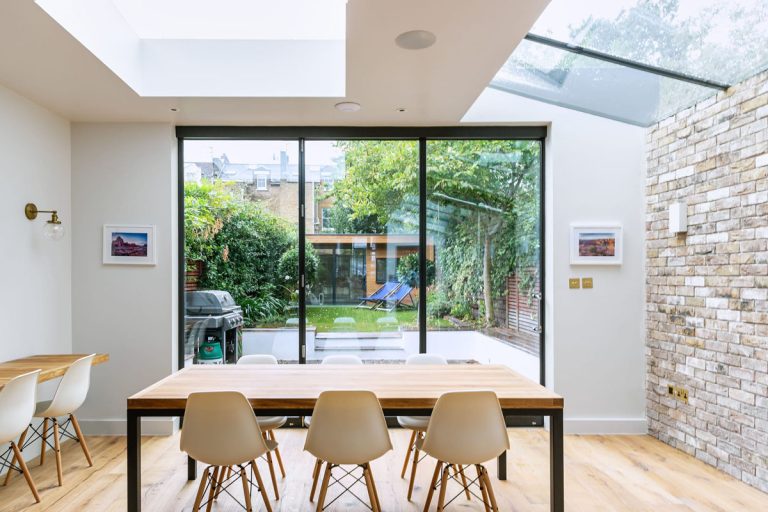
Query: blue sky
[[132, 238]]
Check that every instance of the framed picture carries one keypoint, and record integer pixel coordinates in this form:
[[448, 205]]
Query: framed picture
[[596, 244], [128, 245]]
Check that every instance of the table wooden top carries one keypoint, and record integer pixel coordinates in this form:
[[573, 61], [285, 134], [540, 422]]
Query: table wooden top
[[51, 366], [397, 386]]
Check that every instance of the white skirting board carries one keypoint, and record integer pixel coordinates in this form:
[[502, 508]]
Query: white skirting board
[[117, 427], [605, 426]]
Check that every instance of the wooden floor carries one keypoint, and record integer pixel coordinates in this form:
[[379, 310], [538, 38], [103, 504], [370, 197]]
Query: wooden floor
[[610, 473]]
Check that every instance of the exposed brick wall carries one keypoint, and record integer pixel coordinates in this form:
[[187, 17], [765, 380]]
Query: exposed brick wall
[[707, 291]]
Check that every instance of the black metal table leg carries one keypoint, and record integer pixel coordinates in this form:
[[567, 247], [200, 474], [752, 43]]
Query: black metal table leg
[[191, 468], [502, 465], [134, 461], [556, 460]]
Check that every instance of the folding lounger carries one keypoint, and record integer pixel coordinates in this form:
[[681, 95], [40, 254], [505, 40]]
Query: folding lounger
[[396, 298], [379, 295]]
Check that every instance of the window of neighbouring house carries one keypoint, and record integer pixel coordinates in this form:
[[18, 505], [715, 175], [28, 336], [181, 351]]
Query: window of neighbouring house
[[261, 182], [326, 219]]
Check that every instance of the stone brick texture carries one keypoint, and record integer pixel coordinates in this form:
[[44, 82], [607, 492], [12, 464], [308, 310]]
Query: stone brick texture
[[707, 290]]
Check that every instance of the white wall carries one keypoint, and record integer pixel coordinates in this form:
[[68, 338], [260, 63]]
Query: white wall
[[595, 172], [35, 273], [123, 174]]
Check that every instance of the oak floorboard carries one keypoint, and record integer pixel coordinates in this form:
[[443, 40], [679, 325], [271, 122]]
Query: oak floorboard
[[603, 473]]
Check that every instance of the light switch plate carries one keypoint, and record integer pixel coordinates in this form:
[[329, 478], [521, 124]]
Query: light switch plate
[[586, 282], [574, 283]]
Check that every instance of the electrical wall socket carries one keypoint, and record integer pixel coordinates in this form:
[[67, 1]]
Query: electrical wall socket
[[678, 393], [574, 283]]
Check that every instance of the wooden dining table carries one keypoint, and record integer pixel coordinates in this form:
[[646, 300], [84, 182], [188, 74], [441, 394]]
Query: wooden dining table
[[292, 390], [51, 366]]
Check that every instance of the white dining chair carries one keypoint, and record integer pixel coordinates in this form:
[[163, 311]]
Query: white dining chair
[[348, 429], [70, 395], [206, 417], [17, 404], [466, 429], [268, 424], [349, 359], [416, 424]]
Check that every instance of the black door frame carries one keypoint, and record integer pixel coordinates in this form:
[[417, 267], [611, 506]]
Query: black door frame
[[301, 134]]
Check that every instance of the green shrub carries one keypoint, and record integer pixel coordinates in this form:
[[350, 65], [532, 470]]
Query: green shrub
[[408, 270], [288, 266], [461, 310], [438, 304]]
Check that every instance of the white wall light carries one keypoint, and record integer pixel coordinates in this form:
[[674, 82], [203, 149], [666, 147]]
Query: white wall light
[[678, 218]]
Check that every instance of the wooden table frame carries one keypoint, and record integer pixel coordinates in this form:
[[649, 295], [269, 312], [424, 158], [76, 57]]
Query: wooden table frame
[[143, 405]]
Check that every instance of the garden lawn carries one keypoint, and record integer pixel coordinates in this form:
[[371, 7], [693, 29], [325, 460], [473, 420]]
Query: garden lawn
[[323, 317]]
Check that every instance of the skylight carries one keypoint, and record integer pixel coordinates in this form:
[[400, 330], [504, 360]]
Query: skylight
[[713, 41], [222, 48], [289, 20]]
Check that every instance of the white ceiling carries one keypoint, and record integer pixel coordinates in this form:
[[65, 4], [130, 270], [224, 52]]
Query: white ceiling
[[43, 62]]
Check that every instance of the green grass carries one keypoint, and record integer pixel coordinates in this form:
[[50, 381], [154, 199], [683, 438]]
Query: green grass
[[323, 317]]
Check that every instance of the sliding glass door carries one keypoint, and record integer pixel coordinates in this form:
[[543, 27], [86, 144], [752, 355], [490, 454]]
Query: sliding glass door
[[362, 248], [241, 237], [378, 247], [483, 228]]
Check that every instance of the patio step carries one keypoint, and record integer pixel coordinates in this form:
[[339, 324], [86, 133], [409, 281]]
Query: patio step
[[359, 341]]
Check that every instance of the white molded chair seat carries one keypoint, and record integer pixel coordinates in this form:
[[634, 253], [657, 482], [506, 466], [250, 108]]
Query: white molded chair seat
[[210, 413], [70, 395], [466, 429], [17, 404], [268, 424], [418, 424], [335, 359], [348, 428]]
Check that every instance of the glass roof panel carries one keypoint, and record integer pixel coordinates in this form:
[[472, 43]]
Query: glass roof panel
[[720, 40], [594, 86]]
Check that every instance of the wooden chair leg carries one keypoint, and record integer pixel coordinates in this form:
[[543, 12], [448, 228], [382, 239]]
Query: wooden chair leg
[[413, 469], [260, 483], [431, 492], [408, 454], [272, 474], [220, 481], [81, 438], [215, 485], [315, 478], [460, 470], [201, 489], [443, 488], [13, 459], [491, 495], [44, 444], [481, 482], [324, 487], [25, 471], [277, 453], [57, 450], [246, 490], [369, 488], [373, 484]]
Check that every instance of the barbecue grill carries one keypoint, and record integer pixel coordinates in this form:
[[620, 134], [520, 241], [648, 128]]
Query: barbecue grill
[[213, 315]]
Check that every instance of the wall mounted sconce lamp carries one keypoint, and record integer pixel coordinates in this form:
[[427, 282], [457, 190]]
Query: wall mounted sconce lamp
[[53, 229], [678, 218]]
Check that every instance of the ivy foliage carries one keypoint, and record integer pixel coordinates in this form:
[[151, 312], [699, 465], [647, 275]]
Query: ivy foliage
[[245, 249]]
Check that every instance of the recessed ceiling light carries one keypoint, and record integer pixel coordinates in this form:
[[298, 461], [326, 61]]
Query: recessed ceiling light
[[416, 39], [400, 109], [174, 109], [348, 106]]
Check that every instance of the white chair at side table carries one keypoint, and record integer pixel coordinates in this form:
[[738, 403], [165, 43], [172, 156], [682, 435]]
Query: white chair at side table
[[17, 404]]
